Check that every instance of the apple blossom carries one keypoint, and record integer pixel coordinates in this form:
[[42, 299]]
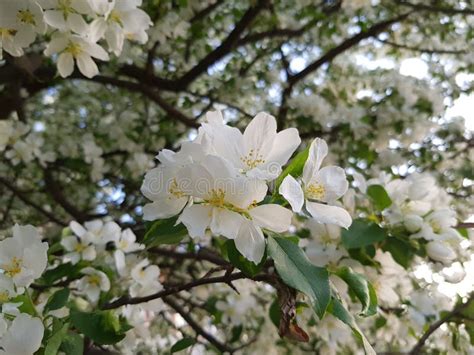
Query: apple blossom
[[325, 184]]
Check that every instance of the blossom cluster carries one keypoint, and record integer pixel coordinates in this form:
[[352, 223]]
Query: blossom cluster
[[76, 29], [219, 181]]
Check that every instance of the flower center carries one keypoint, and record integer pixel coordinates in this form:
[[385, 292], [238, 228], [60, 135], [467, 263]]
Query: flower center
[[252, 159], [65, 7], [217, 198], [14, 268], [115, 17], [79, 247], [94, 280], [7, 32], [4, 297], [26, 16], [123, 244], [435, 226], [74, 48], [315, 191], [174, 190]]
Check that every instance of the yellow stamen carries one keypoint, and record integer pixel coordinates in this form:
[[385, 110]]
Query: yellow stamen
[[115, 17], [252, 159], [74, 48], [26, 16], [14, 267], [217, 198], [4, 297], [315, 191], [174, 190]]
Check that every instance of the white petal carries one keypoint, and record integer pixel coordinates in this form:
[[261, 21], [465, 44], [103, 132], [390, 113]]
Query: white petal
[[225, 222], [96, 51], [55, 19], [329, 214], [226, 141], [250, 242], [260, 134], [86, 65], [317, 152], [333, 179], [291, 190], [214, 117], [440, 251], [164, 208], [24, 335], [196, 218], [89, 253], [77, 229], [97, 29], [77, 23], [65, 64], [243, 192], [284, 145], [272, 216]]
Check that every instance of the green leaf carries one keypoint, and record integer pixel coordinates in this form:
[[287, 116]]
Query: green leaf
[[26, 305], [363, 290], [103, 327], [239, 261], [57, 300], [182, 344], [72, 344], [274, 313], [297, 271], [402, 252], [337, 309], [295, 168], [54, 342], [164, 232], [379, 197], [64, 270], [362, 233], [236, 333]]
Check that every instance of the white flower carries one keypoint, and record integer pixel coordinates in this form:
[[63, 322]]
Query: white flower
[[227, 205], [440, 251], [23, 336], [80, 247], [93, 283], [66, 15], [125, 244], [97, 231], [7, 288], [23, 257], [19, 22], [121, 19], [72, 47], [146, 282], [319, 184], [260, 151]]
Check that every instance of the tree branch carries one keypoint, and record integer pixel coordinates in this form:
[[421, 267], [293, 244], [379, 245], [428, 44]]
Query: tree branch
[[22, 196], [196, 327], [455, 312], [227, 278]]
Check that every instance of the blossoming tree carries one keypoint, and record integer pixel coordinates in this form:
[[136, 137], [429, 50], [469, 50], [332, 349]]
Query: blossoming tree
[[236, 177]]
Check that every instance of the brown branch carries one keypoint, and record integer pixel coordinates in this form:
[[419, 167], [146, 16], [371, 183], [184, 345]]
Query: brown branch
[[22, 196], [227, 278], [205, 11], [345, 45], [445, 10], [196, 327], [423, 50], [150, 93], [433, 327], [55, 190], [200, 255], [465, 225]]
